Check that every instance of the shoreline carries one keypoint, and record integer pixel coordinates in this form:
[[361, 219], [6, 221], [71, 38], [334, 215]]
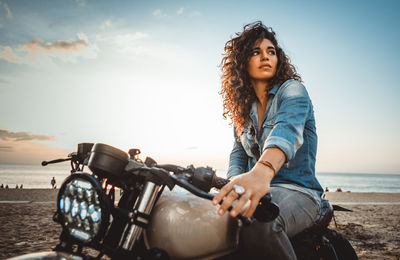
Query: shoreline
[[362, 197]]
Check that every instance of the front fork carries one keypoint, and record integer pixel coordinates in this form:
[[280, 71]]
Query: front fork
[[140, 216]]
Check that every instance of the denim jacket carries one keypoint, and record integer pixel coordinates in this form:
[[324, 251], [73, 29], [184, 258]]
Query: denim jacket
[[288, 124]]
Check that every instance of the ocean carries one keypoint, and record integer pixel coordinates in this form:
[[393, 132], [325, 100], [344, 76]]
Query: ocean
[[36, 176]]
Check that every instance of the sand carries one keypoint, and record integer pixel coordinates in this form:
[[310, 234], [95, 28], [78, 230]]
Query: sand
[[372, 228]]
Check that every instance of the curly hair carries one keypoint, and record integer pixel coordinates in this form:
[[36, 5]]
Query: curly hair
[[237, 92]]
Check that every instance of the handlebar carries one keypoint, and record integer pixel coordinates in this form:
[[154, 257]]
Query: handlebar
[[198, 180]]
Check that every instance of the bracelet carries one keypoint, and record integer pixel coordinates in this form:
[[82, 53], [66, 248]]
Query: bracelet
[[268, 164]]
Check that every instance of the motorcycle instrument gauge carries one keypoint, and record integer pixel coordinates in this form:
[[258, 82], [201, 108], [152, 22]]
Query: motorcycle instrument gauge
[[83, 208]]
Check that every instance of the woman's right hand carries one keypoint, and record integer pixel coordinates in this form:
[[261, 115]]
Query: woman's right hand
[[256, 184]]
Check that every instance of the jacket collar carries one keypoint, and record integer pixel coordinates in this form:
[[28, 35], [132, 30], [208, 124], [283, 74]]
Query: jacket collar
[[274, 90], [253, 110]]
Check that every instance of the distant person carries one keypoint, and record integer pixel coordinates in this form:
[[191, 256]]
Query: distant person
[[2, 186], [21, 187], [16, 186], [53, 183], [326, 189], [6, 186]]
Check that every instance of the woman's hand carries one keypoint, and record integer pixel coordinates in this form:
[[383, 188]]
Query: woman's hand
[[256, 184]]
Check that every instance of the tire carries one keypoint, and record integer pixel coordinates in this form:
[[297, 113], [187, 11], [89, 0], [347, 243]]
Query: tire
[[342, 246]]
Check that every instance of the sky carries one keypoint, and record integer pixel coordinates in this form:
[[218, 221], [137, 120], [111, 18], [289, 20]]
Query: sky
[[145, 74]]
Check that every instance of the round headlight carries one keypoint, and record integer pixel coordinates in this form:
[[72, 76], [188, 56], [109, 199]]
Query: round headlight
[[75, 208], [67, 204], [83, 208]]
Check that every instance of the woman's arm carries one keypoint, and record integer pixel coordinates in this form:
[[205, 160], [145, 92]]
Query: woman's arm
[[237, 159], [255, 182], [294, 110]]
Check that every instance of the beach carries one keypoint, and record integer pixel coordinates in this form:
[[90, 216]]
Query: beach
[[373, 228]]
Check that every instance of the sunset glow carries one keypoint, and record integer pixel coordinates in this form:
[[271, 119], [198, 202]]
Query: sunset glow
[[146, 75]]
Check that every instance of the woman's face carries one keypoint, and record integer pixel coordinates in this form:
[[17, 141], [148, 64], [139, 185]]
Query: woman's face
[[263, 61]]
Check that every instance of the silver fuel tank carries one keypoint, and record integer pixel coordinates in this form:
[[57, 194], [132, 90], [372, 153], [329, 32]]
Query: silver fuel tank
[[188, 227]]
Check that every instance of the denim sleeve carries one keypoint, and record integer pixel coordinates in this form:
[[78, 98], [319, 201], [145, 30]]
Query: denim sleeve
[[237, 159], [294, 109]]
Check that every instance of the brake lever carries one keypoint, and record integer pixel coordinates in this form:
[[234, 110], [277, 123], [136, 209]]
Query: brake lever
[[44, 163]]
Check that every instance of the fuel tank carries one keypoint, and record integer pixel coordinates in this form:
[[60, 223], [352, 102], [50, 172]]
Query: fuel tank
[[188, 227]]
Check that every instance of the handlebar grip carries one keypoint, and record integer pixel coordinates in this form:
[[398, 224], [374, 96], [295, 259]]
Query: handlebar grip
[[219, 182]]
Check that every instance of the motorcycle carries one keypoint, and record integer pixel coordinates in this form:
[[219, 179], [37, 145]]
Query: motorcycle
[[146, 221]]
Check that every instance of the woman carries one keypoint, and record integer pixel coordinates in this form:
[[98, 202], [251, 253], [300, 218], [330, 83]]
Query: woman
[[275, 142]]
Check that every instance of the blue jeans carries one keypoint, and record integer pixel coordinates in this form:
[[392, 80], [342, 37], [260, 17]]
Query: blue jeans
[[271, 240]]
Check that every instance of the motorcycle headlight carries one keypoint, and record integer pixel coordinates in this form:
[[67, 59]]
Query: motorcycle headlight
[[83, 208]]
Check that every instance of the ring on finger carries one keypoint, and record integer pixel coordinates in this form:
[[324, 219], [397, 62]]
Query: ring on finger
[[239, 190]]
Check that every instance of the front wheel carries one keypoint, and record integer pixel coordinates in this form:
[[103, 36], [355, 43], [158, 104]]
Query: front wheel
[[49, 255]]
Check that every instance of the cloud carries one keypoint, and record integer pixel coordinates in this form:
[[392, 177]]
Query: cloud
[[158, 13], [7, 148], [7, 54], [18, 147], [82, 36], [65, 50], [81, 2], [28, 152], [9, 14], [73, 49], [129, 37], [22, 136], [180, 11], [62, 45], [128, 43], [107, 24]]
